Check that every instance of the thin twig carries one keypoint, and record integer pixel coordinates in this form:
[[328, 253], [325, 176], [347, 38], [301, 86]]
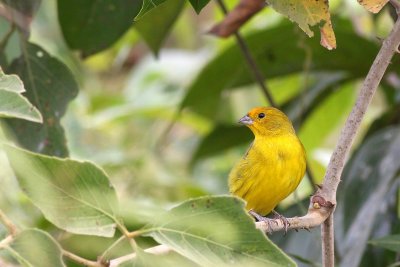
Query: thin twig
[[12, 229], [81, 260], [6, 241], [113, 245]]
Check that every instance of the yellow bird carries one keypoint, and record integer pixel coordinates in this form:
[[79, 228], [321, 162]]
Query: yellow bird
[[274, 164]]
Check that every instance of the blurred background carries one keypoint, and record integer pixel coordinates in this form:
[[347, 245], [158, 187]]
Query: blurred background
[[158, 107]]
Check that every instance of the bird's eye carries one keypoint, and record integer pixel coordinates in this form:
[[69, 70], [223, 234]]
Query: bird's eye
[[261, 115]]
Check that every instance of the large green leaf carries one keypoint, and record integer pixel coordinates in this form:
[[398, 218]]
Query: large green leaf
[[93, 25], [391, 242], [155, 26], [13, 103], [49, 86], [75, 196], [216, 231], [36, 248], [366, 187], [277, 55]]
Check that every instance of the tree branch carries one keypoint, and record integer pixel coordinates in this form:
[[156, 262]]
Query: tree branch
[[328, 246]]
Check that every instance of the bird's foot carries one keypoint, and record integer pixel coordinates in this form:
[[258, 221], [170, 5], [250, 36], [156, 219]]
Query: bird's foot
[[283, 219], [260, 218]]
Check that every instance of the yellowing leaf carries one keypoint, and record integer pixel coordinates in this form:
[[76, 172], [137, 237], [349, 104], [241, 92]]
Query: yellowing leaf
[[308, 13], [373, 6]]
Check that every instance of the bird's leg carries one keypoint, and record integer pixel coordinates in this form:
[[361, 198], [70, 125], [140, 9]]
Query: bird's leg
[[262, 219], [282, 219]]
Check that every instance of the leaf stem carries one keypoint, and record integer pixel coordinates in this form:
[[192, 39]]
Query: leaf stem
[[6, 241], [113, 245], [11, 227], [126, 234], [81, 260]]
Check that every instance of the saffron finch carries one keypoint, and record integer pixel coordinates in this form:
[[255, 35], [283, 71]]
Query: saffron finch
[[273, 166]]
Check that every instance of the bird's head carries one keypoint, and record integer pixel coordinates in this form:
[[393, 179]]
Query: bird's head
[[267, 121]]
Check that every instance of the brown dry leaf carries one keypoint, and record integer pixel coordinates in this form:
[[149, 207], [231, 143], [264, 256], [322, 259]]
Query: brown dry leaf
[[373, 6], [308, 13], [237, 17]]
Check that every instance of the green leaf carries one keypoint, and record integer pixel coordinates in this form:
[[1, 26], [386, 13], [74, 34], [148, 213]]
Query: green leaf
[[391, 242], [36, 248], [171, 259], [300, 106], [198, 5], [216, 231], [155, 26], [276, 55], [13, 103], [326, 116], [75, 196], [221, 138], [11, 83], [147, 6], [49, 86], [93, 25]]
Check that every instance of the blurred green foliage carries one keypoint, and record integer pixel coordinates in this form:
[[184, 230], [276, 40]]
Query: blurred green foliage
[[154, 101]]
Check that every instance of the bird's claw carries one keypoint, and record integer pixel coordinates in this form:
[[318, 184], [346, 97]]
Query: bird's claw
[[283, 219], [268, 221]]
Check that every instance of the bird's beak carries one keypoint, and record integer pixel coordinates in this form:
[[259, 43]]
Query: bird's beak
[[246, 120]]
